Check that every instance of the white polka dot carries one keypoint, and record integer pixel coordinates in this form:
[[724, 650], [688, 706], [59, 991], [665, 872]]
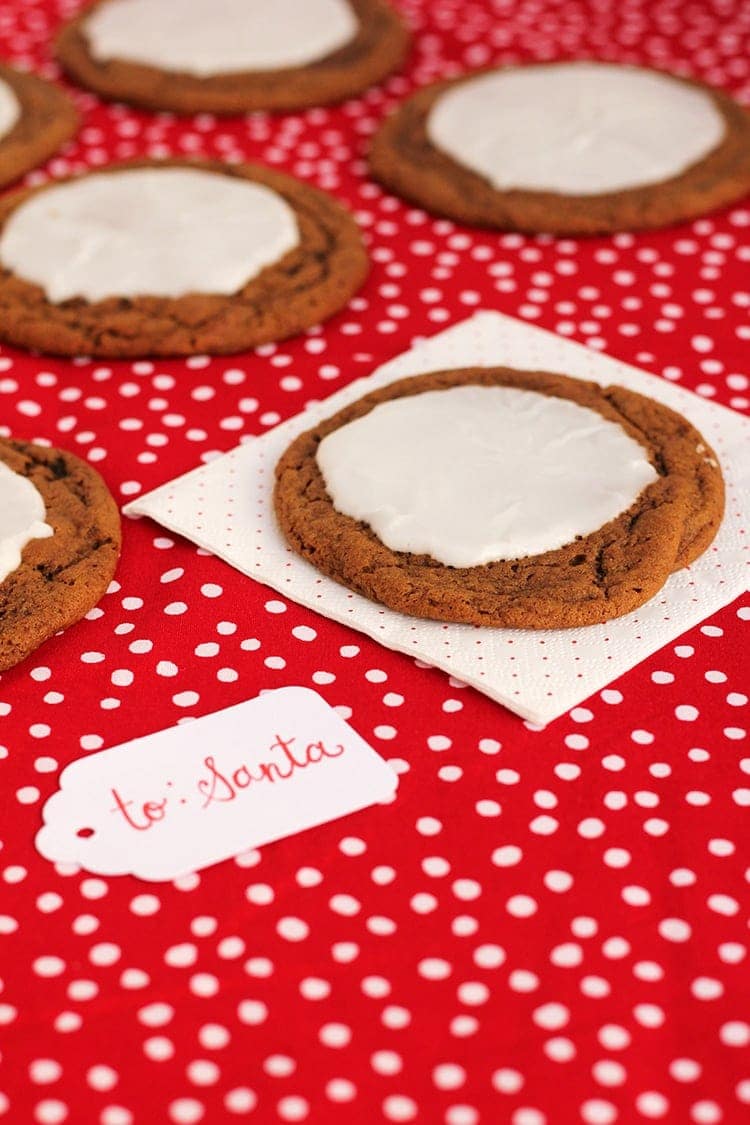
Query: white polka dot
[[386, 1062], [186, 1111], [116, 1115], [507, 855], [613, 1037], [523, 980], [528, 1115], [434, 968], [448, 1076], [145, 905], [507, 1081], [607, 1072], [560, 1049], [652, 1104], [293, 1108], [292, 929], [596, 1111], [705, 1113], [706, 988], [396, 1017], [735, 1033], [279, 1066], [50, 1111], [48, 966], [723, 904], [521, 906], [558, 881], [252, 1012], [181, 956], [156, 1015], [213, 1036], [473, 993], [551, 1016], [649, 1015], [399, 1107], [567, 956], [335, 1035], [340, 1090], [240, 1100], [44, 1071], [101, 1077], [489, 956]]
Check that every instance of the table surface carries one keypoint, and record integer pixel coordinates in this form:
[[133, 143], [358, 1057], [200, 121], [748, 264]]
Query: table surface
[[547, 925]]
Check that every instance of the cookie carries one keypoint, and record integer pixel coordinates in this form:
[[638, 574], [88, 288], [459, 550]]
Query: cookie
[[35, 120], [567, 148], [172, 258], [59, 545], [489, 496], [225, 56]]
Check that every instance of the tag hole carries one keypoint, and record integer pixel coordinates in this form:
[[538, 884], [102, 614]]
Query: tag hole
[[84, 833]]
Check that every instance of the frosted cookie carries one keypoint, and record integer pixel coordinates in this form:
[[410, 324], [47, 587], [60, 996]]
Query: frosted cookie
[[172, 258], [568, 148], [232, 56], [35, 120], [59, 544], [489, 496]]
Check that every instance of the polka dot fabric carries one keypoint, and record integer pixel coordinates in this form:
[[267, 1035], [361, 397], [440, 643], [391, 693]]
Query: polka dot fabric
[[547, 926]]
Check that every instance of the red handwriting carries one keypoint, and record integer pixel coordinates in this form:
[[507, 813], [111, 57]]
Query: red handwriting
[[149, 813], [218, 786]]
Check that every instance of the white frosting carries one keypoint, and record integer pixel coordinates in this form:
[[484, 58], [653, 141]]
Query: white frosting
[[10, 109], [22, 513], [208, 37], [161, 232], [576, 128], [472, 474]]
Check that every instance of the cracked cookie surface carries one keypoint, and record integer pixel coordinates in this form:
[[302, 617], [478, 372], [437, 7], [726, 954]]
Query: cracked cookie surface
[[48, 119], [60, 578], [378, 48], [306, 286], [593, 579], [405, 160]]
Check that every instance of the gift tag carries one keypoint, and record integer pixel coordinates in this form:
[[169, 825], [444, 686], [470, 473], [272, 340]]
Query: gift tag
[[206, 790]]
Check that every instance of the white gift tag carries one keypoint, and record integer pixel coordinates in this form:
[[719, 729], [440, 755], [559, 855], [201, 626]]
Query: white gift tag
[[185, 798]]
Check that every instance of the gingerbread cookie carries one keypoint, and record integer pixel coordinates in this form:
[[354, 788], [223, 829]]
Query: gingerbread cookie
[[59, 544], [172, 258], [489, 496], [228, 56], [567, 148], [35, 120]]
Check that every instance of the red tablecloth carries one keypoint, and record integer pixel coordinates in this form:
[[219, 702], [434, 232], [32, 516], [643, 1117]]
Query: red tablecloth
[[547, 926]]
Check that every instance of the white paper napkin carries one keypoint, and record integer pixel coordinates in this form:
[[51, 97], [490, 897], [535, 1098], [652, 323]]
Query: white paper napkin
[[227, 508]]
